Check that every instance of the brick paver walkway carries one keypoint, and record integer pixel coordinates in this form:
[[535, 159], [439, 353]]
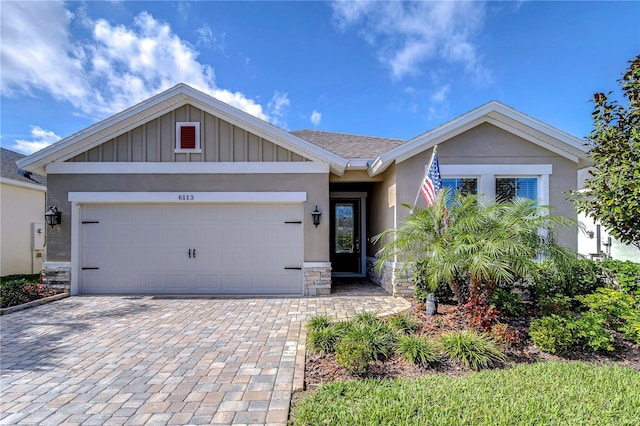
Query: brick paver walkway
[[155, 360]]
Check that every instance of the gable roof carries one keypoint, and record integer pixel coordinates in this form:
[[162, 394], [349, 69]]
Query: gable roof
[[163, 103], [499, 115], [347, 145], [9, 169]]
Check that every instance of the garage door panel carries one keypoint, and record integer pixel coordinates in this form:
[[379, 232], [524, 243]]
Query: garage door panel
[[239, 249]]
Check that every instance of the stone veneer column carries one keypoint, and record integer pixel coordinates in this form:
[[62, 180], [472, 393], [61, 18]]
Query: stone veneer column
[[56, 274], [317, 278], [390, 278]]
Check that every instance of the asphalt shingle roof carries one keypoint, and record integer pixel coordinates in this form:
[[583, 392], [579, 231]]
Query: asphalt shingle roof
[[349, 146], [9, 169]]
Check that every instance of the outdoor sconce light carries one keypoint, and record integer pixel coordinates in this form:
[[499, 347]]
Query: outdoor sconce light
[[316, 216], [53, 216]]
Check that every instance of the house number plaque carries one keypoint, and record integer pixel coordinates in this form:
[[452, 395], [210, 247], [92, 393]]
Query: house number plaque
[[186, 197]]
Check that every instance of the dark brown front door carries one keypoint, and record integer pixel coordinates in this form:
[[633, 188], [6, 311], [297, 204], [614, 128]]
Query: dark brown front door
[[345, 236]]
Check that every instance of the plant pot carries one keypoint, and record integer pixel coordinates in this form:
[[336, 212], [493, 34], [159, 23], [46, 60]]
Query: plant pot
[[431, 304]]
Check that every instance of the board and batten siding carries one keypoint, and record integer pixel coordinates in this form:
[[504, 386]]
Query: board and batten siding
[[155, 141]]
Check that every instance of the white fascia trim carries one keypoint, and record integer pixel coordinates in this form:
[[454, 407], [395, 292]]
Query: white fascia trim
[[359, 163], [302, 167], [316, 264], [187, 197], [457, 170], [25, 185]]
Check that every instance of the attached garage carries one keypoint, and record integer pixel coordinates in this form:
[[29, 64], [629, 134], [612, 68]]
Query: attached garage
[[199, 248]]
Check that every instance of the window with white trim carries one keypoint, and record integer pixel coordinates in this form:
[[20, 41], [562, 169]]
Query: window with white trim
[[502, 181], [188, 137], [508, 188], [464, 185]]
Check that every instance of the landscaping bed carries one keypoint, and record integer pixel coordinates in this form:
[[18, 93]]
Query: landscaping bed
[[17, 290], [321, 368]]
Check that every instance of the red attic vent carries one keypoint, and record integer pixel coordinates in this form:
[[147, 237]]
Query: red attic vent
[[187, 137]]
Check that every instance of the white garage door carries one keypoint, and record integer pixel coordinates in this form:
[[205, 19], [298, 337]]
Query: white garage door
[[206, 248]]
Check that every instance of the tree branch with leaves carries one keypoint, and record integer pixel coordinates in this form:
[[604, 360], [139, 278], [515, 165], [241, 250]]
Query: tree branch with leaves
[[612, 193]]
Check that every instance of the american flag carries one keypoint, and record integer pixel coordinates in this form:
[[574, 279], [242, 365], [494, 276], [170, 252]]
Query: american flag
[[432, 181]]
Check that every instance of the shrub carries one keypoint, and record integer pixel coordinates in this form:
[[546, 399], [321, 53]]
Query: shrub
[[473, 350], [417, 350], [504, 334], [589, 331], [613, 305], [625, 274], [555, 304], [323, 340], [402, 324], [507, 303], [354, 354], [318, 322], [378, 336], [631, 329], [552, 334], [16, 291], [480, 315], [559, 334], [357, 342], [582, 276], [367, 318]]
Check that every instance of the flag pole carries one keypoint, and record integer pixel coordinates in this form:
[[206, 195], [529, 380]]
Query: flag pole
[[433, 154]]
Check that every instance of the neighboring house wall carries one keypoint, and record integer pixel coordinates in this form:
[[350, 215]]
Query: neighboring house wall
[[487, 145], [609, 246], [316, 241], [155, 141], [22, 205]]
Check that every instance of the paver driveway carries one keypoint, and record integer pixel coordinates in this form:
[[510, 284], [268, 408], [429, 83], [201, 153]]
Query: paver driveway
[[154, 360]]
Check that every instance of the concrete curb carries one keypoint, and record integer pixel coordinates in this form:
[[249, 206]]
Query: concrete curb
[[11, 309]]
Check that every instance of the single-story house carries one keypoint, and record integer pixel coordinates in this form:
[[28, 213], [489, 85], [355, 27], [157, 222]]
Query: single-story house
[[183, 193], [22, 197]]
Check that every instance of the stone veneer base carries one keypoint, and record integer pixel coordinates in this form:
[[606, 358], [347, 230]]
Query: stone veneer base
[[317, 280], [392, 279]]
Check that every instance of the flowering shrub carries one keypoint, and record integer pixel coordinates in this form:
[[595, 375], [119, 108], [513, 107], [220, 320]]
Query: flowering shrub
[[18, 291]]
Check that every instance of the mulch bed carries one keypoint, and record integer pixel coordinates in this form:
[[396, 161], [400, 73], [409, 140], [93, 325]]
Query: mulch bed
[[320, 369]]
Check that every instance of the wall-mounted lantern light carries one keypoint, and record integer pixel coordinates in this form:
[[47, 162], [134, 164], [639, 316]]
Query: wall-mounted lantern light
[[53, 216], [315, 214]]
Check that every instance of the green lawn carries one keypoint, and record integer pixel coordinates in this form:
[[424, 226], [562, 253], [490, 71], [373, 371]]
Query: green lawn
[[545, 393]]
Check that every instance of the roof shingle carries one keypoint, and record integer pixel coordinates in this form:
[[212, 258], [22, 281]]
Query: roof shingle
[[9, 169], [348, 146]]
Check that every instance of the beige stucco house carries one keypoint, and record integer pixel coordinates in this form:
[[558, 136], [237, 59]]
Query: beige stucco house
[[183, 193], [22, 198]]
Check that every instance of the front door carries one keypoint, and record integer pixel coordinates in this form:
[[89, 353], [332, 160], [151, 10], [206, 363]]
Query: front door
[[346, 253]]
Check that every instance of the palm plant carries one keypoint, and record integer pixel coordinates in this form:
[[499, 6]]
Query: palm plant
[[492, 243]]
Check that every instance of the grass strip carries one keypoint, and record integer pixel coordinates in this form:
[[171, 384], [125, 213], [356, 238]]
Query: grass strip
[[549, 393]]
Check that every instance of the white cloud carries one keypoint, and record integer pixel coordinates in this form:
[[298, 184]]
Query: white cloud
[[41, 139], [115, 67], [278, 106], [441, 94], [205, 36], [316, 118], [407, 35]]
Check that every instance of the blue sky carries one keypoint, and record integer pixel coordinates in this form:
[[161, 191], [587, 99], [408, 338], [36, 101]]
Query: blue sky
[[389, 69]]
